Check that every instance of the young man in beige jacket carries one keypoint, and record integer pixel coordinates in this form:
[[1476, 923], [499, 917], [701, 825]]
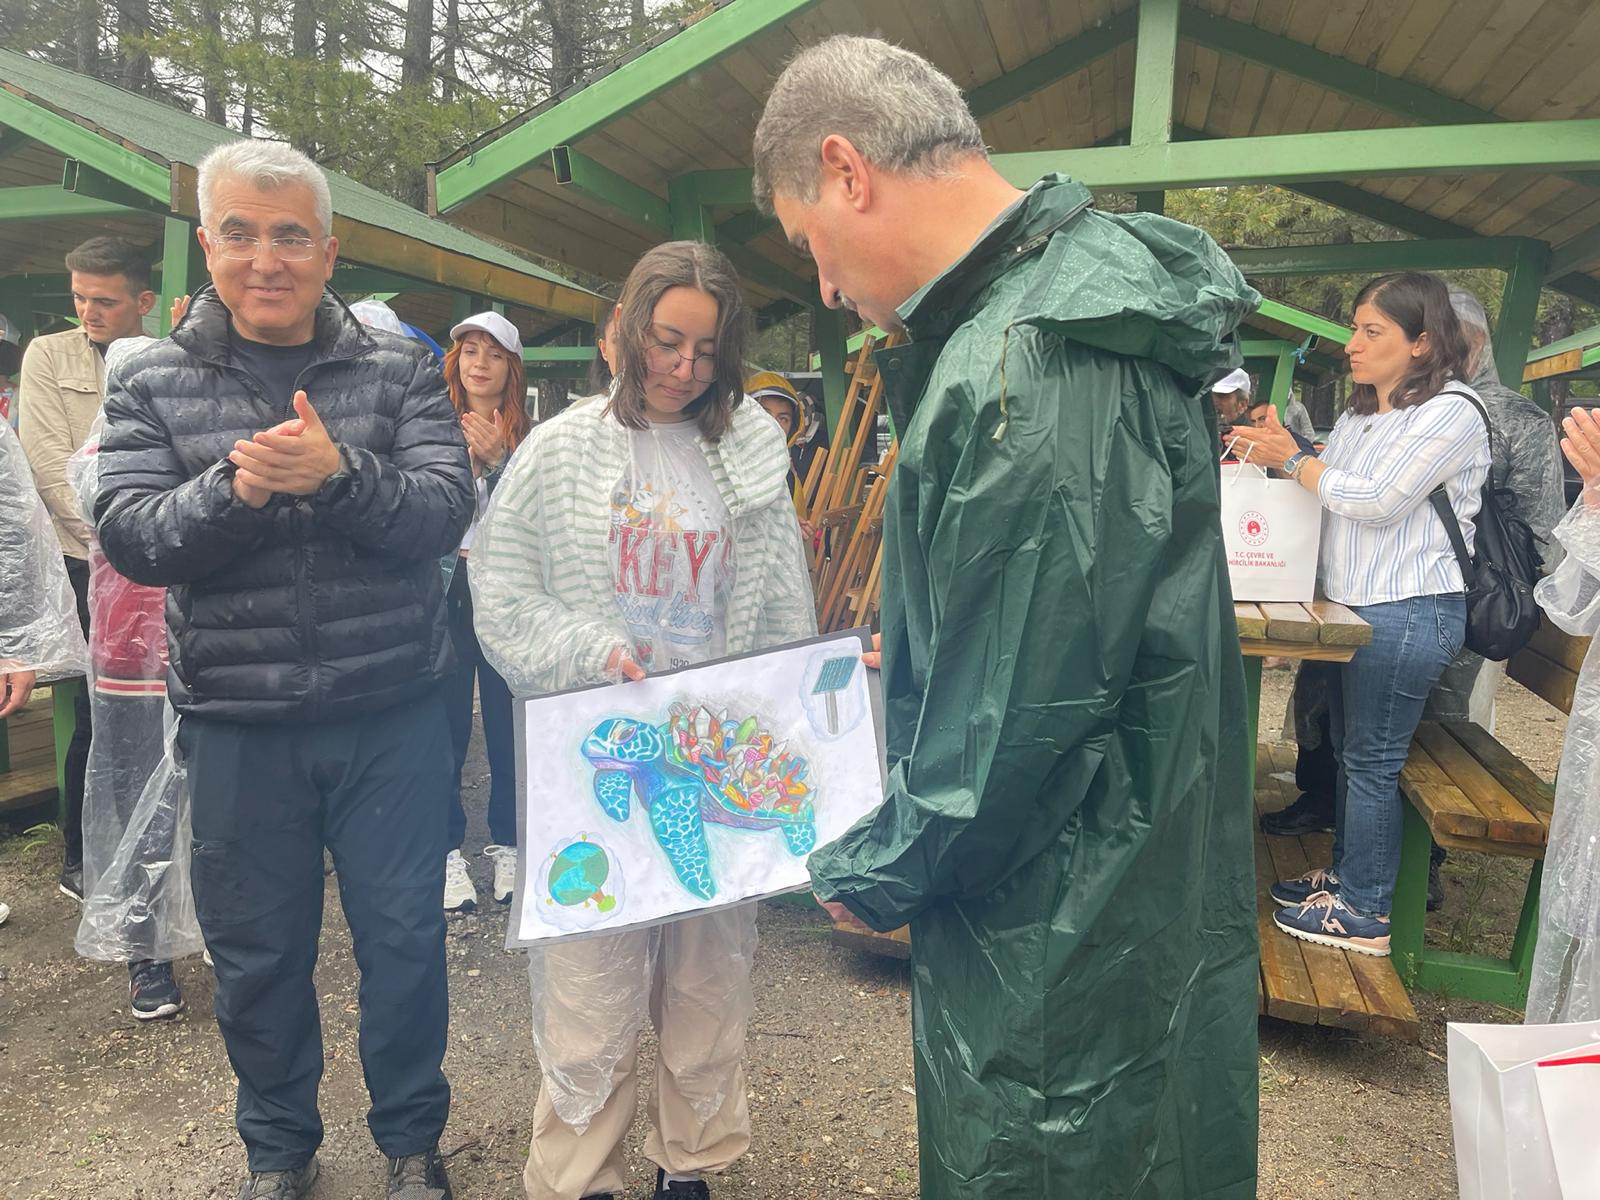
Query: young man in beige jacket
[[60, 390]]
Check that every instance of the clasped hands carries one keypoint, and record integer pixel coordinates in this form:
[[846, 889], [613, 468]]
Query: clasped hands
[[294, 457]]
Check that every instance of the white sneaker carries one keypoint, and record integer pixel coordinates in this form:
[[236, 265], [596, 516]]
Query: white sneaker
[[5, 911], [459, 894], [505, 871]]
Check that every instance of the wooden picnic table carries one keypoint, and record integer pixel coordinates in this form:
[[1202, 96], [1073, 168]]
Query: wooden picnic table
[[1316, 630]]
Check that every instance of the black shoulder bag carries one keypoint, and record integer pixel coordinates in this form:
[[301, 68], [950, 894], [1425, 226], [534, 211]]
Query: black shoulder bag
[[1501, 613]]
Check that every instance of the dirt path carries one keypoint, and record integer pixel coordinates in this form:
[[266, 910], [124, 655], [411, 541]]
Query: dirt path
[[93, 1105]]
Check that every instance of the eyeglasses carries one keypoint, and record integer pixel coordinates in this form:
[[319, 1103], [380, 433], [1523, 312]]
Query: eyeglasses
[[241, 247], [663, 359]]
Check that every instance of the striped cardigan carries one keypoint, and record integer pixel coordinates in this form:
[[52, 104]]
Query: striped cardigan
[[544, 601]]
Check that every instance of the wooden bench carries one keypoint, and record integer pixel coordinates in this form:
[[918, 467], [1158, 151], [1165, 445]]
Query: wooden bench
[[1468, 792], [28, 770], [1300, 981]]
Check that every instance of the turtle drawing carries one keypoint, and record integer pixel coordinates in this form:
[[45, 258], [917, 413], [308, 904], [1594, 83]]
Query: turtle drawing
[[697, 770]]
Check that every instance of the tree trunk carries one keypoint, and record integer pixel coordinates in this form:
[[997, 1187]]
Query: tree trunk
[[88, 37], [212, 84], [637, 27], [247, 122], [452, 35], [566, 43], [133, 21], [417, 57], [303, 29]]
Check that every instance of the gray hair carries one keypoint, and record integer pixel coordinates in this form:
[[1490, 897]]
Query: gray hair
[[898, 109], [268, 166]]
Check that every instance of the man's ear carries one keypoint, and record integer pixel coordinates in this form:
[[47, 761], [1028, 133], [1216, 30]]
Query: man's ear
[[844, 169], [147, 301]]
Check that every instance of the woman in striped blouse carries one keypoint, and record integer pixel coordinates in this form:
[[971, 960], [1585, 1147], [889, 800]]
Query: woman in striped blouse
[[1412, 426]]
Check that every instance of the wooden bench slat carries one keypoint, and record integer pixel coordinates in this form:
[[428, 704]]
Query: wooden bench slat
[[1548, 680], [1533, 793], [1560, 648], [1251, 623], [1289, 622], [28, 784], [1303, 651], [1338, 626], [1442, 804], [1389, 1008], [1508, 820]]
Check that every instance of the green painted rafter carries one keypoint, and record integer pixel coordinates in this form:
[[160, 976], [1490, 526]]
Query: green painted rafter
[[82, 180], [1527, 146], [1363, 257], [72, 140], [1154, 71], [608, 97], [44, 202], [604, 187], [1308, 322], [1056, 63]]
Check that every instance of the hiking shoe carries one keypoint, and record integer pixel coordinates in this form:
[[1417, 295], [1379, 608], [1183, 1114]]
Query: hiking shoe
[[152, 991], [280, 1185], [505, 871], [1294, 892], [459, 894], [418, 1177], [1325, 920], [1308, 814], [71, 881], [680, 1189]]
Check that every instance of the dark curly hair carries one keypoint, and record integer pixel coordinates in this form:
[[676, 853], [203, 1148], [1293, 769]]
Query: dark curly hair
[[1420, 304]]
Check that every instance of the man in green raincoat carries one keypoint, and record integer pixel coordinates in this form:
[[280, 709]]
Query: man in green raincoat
[[1067, 824]]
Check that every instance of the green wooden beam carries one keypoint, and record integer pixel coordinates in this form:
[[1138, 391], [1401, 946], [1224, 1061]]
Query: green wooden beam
[[11, 140], [691, 219], [1308, 322], [639, 79], [728, 188], [604, 187], [827, 331], [1359, 257], [1524, 146], [44, 202], [1058, 62], [745, 227], [351, 280], [1399, 96], [1519, 308], [756, 269], [81, 179], [72, 140], [1155, 64], [1150, 202], [1382, 209], [176, 236], [557, 354]]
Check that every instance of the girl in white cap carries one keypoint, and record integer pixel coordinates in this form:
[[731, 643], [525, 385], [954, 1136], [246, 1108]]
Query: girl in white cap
[[489, 389]]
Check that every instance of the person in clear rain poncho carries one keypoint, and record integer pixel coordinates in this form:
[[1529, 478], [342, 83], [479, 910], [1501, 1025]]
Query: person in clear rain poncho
[[1566, 961], [641, 530], [40, 638], [137, 906]]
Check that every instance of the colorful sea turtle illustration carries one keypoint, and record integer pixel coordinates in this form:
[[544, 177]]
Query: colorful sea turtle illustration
[[633, 758]]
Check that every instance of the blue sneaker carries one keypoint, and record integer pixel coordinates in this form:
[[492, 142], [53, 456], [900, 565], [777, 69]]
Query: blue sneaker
[[1326, 920], [1295, 892]]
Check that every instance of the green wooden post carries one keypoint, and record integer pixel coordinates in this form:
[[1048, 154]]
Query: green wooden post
[[1541, 393], [176, 235], [1267, 382], [461, 307], [64, 723], [828, 326], [1519, 309], [1283, 379], [691, 219], [1154, 68], [1408, 909], [1150, 202]]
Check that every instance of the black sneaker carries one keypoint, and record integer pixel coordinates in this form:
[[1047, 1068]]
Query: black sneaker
[[280, 1185], [152, 991], [680, 1189], [1308, 814], [71, 881], [419, 1177]]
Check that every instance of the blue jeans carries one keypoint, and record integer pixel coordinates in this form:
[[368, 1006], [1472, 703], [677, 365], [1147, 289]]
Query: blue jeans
[[1373, 711]]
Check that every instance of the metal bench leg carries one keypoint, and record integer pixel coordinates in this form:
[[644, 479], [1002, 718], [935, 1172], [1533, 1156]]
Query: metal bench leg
[[1408, 912]]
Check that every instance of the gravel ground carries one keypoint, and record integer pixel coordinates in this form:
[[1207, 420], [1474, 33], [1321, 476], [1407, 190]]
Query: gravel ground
[[93, 1104]]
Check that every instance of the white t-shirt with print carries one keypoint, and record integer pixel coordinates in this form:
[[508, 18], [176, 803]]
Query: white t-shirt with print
[[671, 550]]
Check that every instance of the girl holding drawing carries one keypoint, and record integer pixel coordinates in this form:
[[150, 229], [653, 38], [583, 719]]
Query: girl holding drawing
[[644, 529]]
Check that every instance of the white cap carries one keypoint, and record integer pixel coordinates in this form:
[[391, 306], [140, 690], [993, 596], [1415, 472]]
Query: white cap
[[375, 314], [8, 331], [1236, 380], [496, 326]]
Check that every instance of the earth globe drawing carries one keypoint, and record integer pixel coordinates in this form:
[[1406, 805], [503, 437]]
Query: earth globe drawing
[[582, 883]]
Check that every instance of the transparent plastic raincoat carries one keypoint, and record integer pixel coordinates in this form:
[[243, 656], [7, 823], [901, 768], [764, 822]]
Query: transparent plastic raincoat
[[1566, 962], [1068, 825], [137, 903], [547, 617], [39, 628], [1525, 464]]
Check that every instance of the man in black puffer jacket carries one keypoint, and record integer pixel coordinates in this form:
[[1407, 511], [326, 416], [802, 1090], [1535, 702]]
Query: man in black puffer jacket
[[292, 478]]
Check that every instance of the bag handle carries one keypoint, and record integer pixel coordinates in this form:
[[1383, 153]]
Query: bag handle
[[1245, 461], [1440, 500]]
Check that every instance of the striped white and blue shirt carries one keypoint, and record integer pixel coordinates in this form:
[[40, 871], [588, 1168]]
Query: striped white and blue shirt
[[1381, 539]]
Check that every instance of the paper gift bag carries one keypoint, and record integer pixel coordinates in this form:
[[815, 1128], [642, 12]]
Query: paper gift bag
[[1272, 529], [1525, 1105]]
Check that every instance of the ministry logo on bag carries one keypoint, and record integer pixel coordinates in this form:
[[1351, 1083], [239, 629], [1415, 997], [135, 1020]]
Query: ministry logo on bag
[[1253, 530]]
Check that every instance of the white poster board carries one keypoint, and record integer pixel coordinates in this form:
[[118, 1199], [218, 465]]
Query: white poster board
[[688, 791]]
